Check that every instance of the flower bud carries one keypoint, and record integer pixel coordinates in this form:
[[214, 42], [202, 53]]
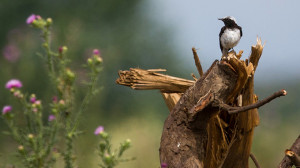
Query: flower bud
[[70, 76], [108, 159], [62, 102], [30, 137], [21, 148], [98, 59], [34, 109], [49, 21], [54, 99], [54, 111], [90, 62], [45, 45], [127, 143], [18, 94], [38, 103], [62, 49], [104, 135]]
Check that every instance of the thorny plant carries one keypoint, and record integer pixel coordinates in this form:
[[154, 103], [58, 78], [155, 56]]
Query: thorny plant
[[39, 141]]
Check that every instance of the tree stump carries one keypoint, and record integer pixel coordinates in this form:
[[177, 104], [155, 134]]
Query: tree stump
[[212, 119]]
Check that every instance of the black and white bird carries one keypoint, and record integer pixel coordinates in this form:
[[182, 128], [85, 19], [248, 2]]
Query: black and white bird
[[230, 34]]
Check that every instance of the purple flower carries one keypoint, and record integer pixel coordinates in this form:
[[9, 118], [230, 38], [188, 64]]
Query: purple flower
[[38, 102], [99, 130], [54, 99], [13, 83], [11, 53], [32, 18], [32, 99], [60, 49], [6, 109], [96, 52], [164, 165], [51, 117]]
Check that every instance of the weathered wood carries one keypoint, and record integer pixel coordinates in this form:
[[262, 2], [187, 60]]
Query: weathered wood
[[287, 161], [171, 99], [190, 136], [184, 138], [150, 79], [197, 62], [244, 124]]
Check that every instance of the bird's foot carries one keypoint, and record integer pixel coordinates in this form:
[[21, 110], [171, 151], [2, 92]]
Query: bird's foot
[[232, 51]]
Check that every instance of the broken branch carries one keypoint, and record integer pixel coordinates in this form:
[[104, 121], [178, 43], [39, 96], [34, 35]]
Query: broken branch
[[197, 62], [291, 156], [234, 110], [254, 160], [294, 157], [140, 79]]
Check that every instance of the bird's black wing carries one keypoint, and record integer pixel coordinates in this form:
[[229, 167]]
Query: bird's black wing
[[239, 27], [221, 32]]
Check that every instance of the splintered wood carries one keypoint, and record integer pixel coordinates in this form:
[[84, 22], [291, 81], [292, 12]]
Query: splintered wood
[[150, 79]]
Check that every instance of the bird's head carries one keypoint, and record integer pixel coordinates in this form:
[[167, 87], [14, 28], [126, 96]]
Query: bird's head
[[228, 20]]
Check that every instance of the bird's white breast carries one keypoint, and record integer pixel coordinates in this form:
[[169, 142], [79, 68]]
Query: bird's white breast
[[230, 38]]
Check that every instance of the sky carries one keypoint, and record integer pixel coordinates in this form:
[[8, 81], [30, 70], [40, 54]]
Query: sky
[[195, 23]]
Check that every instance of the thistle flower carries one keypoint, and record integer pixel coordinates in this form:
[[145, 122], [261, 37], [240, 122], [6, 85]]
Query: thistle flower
[[32, 18], [96, 52], [13, 83], [32, 98], [99, 130], [6, 109], [164, 165], [51, 117], [11, 52], [54, 99]]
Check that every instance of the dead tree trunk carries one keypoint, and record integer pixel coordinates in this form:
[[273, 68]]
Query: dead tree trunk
[[206, 126]]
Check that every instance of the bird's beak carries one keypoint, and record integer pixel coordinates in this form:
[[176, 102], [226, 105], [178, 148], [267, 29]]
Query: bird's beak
[[220, 19]]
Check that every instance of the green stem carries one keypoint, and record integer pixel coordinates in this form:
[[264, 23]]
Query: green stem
[[14, 131], [53, 132], [46, 45], [85, 101], [68, 153], [40, 140]]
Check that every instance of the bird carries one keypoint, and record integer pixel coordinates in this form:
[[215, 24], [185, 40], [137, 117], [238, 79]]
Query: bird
[[230, 34]]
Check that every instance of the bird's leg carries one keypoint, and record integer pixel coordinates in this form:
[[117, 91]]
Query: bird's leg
[[225, 53], [232, 50]]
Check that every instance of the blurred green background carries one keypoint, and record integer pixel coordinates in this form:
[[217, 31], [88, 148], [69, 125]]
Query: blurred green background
[[127, 36]]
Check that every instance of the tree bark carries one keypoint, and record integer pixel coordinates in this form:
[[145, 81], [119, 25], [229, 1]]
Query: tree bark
[[185, 134]]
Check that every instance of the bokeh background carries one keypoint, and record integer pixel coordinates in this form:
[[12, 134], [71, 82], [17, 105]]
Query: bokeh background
[[152, 34]]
